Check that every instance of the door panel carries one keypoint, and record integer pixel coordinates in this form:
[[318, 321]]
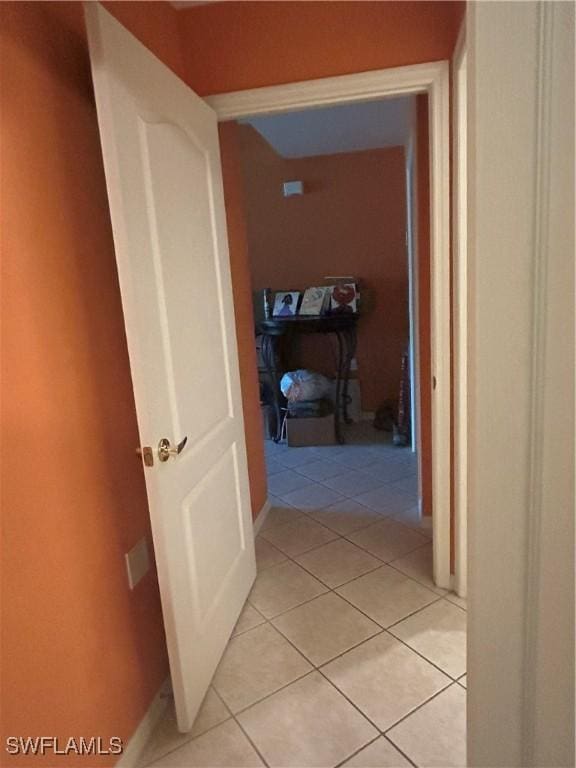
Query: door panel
[[162, 163], [173, 161]]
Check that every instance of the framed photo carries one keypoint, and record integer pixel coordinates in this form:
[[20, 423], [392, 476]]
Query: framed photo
[[315, 300], [344, 298], [286, 304]]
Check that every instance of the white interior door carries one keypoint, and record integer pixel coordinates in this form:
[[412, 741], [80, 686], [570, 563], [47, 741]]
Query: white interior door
[[162, 162]]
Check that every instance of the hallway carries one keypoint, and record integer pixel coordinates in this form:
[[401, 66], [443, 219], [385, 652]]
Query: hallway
[[346, 654]]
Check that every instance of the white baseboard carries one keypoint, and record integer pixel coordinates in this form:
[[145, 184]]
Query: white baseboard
[[261, 516], [133, 751]]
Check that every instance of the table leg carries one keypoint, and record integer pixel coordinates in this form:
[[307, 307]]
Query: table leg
[[350, 340], [270, 359], [338, 403]]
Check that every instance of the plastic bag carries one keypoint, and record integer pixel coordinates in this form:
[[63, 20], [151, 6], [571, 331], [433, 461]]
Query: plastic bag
[[305, 385]]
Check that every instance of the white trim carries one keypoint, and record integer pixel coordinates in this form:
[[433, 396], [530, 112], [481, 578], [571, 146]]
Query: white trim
[[433, 79], [460, 317], [420, 501], [133, 751], [521, 384], [415, 301], [536, 475], [261, 516], [438, 117], [412, 258], [363, 86], [548, 695]]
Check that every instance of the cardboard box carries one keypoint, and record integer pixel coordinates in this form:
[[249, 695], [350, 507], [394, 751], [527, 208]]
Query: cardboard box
[[319, 430]]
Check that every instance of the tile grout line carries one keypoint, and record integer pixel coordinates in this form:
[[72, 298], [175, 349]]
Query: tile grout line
[[341, 465], [234, 716], [434, 696], [381, 630], [384, 732], [391, 517], [339, 586], [333, 589], [381, 484], [267, 696], [385, 629], [260, 755], [357, 645], [346, 495], [404, 754], [402, 642], [315, 668], [425, 658], [192, 738], [380, 736], [364, 746]]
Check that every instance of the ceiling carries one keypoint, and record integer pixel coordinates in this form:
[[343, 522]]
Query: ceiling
[[343, 128]]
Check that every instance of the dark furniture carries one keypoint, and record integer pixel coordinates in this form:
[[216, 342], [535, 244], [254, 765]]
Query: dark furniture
[[277, 335]]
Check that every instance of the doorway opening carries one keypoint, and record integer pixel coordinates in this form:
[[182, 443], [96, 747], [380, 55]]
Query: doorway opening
[[430, 83], [331, 198], [344, 576]]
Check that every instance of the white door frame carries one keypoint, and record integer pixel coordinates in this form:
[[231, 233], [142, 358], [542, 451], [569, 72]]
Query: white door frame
[[414, 286], [433, 79], [460, 304], [413, 296], [521, 384]]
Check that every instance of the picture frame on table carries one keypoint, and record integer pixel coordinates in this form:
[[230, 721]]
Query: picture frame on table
[[286, 304], [315, 301]]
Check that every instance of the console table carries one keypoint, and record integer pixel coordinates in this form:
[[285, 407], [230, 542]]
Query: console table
[[277, 333]]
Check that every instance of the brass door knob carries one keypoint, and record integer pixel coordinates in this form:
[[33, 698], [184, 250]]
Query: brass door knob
[[165, 450]]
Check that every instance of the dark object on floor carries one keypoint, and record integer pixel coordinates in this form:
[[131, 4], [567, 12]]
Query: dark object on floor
[[399, 439], [268, 421], [318, 430], [385, 416]]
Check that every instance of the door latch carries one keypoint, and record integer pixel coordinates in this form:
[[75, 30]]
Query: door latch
[[147, 455]]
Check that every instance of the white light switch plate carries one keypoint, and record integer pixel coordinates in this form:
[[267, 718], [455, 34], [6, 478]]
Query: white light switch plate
[[137, 562]]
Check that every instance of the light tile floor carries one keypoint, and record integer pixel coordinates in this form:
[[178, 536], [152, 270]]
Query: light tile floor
[[346, 653]]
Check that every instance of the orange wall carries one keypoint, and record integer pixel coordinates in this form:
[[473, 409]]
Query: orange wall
[[351, 220], [81, 653], [236, 45], [240, 269]]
